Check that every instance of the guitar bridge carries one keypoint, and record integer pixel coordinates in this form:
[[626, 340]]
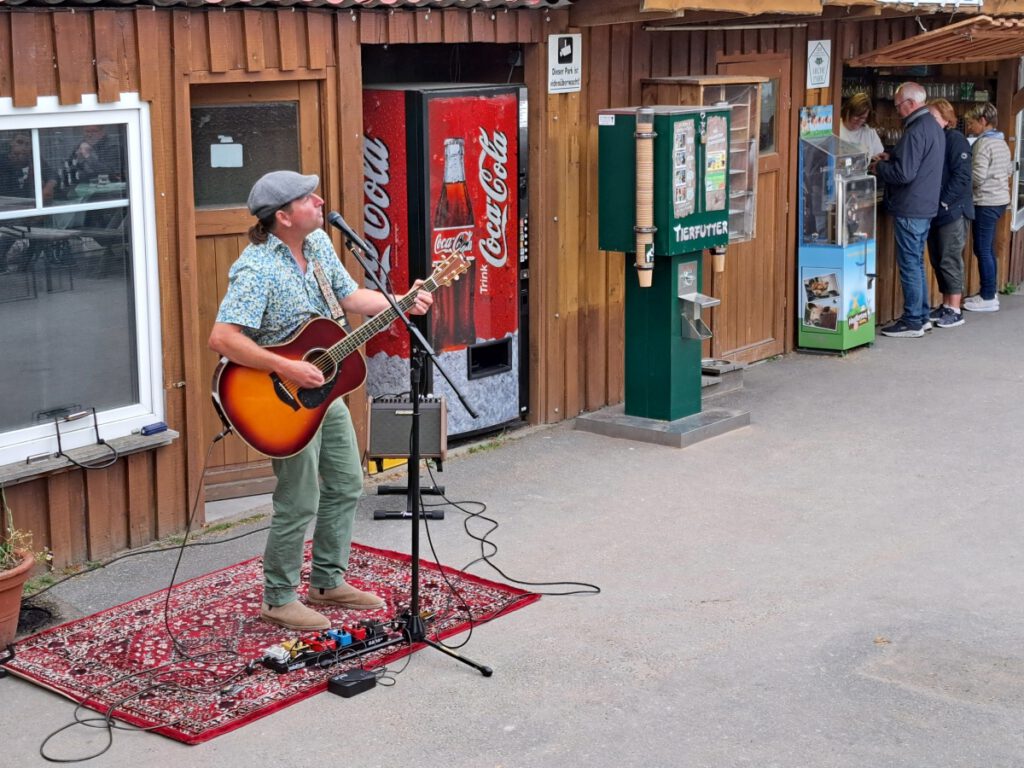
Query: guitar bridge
[[282, 392]]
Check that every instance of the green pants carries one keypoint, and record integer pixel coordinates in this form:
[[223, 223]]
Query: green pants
[[324, 481]]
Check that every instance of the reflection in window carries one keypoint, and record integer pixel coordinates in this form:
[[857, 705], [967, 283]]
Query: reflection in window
[[233, 145], [91, 162], [67, 319], [769, 107], [68, 316]]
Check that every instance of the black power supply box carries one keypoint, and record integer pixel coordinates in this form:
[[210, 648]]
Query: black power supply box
[[348, 684]]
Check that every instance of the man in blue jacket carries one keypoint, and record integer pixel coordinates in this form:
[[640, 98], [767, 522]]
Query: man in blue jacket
[[912, 173]]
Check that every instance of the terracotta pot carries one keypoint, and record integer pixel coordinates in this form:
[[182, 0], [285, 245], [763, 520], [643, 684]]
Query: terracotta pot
[[11, 584]]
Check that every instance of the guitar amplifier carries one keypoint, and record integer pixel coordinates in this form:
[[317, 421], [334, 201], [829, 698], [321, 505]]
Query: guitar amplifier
[[389, 423]]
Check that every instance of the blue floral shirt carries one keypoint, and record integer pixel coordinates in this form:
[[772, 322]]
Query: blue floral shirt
[[269, 297]]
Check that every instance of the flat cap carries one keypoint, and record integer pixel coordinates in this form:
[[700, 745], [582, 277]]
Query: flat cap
[[278, 188]]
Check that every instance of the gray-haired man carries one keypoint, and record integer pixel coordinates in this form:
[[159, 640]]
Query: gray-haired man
[[912, 173]]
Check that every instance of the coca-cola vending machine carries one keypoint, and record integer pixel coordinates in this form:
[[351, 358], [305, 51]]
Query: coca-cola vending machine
[[445, 170]]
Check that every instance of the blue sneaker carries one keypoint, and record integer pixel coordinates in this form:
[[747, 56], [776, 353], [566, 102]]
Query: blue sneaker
[[950, 318], [901, 329]]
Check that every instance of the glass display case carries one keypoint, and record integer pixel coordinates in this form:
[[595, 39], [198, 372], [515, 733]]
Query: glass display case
[[837, 193], [836, 256], [743, 95]]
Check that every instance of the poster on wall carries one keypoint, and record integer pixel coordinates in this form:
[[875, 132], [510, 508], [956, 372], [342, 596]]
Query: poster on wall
[[816, 121], [819, 63]]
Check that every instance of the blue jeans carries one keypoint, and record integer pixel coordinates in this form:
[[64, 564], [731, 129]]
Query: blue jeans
[[911, 234], [985, 219]]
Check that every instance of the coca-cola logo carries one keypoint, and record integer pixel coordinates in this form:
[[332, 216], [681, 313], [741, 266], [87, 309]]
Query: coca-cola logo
[[376, 222], [493, 175], [460, 242]]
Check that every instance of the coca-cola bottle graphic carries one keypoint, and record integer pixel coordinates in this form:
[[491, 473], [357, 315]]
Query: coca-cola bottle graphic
[[453, 314]]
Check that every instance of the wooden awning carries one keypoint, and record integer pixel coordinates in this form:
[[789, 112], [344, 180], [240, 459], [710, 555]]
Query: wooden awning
[[980, 38], [744, 7], [817, 7]]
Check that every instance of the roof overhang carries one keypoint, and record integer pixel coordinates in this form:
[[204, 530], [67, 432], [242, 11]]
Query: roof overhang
[[745, 7], [980, 38], [817, 8]]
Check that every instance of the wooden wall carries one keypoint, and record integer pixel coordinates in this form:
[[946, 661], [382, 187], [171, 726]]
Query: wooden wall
[[618, 56], [89, 515], [576, 296], [161, 54]]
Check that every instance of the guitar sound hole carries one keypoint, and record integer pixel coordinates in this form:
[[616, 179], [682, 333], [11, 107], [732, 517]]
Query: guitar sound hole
[[322, 360], [314, 398]]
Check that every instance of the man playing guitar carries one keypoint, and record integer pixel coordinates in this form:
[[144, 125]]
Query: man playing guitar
[[274, 287]]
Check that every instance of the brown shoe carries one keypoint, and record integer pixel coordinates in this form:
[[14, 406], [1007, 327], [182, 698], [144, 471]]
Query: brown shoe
[[346, 596], [294, 615]]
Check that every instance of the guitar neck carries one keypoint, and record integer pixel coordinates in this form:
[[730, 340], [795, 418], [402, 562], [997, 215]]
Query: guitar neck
[[378, 323]]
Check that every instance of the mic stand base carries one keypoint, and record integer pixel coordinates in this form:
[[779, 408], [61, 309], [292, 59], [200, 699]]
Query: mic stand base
[[416, 630]]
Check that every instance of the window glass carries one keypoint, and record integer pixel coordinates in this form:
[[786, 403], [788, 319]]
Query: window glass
[[233, 145], [87, 162], [17, 171], [78, 320], [67, 324], [769, 107]]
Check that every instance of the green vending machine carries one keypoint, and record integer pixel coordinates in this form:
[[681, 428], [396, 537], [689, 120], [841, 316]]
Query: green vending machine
[[663, 195]]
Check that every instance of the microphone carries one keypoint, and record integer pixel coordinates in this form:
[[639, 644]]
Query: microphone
[[335, 220]]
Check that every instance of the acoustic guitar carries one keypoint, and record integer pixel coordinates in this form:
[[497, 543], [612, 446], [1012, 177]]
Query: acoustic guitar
[[278, 418]]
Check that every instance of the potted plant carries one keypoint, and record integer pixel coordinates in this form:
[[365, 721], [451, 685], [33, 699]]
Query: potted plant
[[16, 562]]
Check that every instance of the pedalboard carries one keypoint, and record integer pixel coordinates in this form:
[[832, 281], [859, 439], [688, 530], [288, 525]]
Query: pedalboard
[[325, 649]]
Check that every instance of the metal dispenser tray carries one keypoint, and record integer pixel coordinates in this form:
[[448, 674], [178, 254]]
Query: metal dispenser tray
[[693, 326], [693, 303]]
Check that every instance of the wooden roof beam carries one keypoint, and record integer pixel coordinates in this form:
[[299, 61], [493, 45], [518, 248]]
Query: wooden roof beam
[[595, 13]]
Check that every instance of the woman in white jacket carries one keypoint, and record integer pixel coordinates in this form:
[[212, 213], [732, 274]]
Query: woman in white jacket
[[991, 169]]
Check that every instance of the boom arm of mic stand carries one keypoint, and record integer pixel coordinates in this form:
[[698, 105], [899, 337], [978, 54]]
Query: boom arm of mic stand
[[359, 249]]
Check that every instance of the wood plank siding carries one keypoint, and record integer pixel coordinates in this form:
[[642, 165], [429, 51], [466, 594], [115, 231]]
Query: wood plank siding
[[162, 54], [170, 55]]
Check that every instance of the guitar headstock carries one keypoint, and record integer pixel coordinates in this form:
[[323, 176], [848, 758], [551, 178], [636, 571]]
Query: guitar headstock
[[449, 269]]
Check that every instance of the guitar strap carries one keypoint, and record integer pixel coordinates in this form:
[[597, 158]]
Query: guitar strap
[[337, 313]]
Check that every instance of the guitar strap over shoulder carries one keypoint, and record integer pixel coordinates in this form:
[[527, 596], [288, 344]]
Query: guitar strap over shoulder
[[337, 313]]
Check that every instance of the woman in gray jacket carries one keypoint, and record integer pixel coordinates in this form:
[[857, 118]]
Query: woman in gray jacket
[[991, 168]]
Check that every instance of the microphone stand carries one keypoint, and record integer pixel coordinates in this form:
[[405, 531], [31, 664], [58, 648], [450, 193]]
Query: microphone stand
[[420, 350]]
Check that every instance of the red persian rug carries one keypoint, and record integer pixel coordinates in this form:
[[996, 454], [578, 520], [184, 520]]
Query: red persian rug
[[121, 661]]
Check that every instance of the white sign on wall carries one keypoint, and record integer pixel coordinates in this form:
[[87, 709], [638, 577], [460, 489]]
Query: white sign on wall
[[819, 63], [565, 63]]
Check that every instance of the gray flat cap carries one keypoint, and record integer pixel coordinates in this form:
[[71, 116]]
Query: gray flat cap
[[278, 188]]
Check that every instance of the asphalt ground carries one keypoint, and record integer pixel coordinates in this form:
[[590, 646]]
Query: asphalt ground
[[838, 584]]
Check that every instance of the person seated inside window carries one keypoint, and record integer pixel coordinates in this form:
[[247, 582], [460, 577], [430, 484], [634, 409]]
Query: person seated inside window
[[17, 171], [97, 158]]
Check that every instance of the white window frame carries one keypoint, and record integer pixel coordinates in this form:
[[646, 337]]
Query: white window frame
[[17, 445], [1017, 209]]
